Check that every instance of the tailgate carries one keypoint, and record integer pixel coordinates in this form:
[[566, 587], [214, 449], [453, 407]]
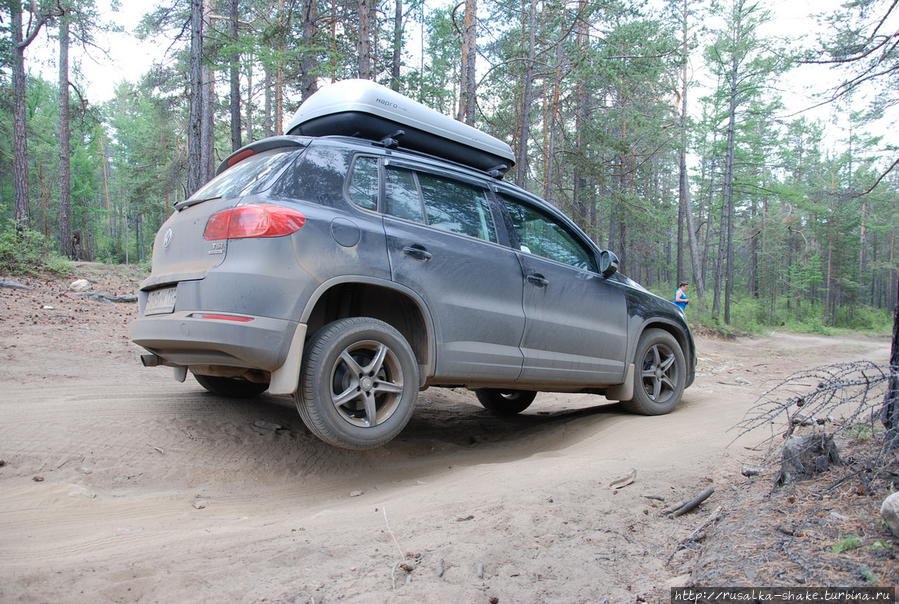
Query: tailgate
[[179, 251]]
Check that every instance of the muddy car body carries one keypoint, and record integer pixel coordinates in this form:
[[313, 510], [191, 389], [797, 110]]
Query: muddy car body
[[351, 273]]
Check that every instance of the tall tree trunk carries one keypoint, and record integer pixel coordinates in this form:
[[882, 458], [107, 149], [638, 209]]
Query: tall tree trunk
[[279, 69], [198, 149], [333, 39], [683, 174], [66, 247], [580, 117], [679, 240], [308, 71], [890, 414], [468, 76], [248, 120], [549, 131], [20, 127], [753, 276], [208, 122], [106, 196], [397, 46], [363, 42], [727, 211], [527, 100], [236, 142], [719, 265], [829, 295], [863, 240], [267, 129]]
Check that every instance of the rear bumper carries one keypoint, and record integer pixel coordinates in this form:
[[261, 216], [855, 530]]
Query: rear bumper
[[184, 339]]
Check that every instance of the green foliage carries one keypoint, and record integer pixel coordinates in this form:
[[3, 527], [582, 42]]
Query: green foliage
[[847, 544], [863, 431], [59, 264], [760, 315], [868, 574], [22, 253]]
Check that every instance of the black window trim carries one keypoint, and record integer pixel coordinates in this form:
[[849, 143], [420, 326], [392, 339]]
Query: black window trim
[[347, 181], [437, 171], [421, 201]]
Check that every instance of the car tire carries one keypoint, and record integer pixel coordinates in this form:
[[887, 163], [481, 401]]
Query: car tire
[[660, 372], [505, 402], [230, 387], [358, 383]]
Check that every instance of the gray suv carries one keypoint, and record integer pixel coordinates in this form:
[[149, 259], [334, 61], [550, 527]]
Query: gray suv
[[351, 269]]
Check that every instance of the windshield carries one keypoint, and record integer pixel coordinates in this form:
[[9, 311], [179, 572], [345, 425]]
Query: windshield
[[243, 177]]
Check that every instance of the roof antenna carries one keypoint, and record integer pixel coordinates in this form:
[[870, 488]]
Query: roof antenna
[[391, 141]]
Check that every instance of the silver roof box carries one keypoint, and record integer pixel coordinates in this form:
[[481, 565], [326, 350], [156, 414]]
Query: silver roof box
[[365, 109]]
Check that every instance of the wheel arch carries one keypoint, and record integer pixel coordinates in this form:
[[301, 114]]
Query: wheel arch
[[360, 296], [683, 337]]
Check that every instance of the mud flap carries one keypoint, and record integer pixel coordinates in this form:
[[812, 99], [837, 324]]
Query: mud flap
[[286, 378], [625, 391]]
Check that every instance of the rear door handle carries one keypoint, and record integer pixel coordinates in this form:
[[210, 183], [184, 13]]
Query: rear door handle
[[419, 252], [538, 280]]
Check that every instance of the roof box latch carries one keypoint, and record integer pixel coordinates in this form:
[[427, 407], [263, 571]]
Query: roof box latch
[[391, 141]]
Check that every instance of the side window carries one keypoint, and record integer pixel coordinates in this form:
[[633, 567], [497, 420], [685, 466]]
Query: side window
[[457, 207], [363, 187], [318, 175], [401, 195], [541, 235]]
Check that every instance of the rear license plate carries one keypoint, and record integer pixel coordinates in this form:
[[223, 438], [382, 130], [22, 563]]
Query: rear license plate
[[161, 301]]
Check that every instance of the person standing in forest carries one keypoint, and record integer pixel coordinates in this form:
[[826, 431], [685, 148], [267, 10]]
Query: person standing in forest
[[680, 295]]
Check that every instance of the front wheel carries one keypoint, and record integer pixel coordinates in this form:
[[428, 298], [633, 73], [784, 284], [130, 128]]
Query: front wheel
[[358, 384], [505, 402], [660, 375]]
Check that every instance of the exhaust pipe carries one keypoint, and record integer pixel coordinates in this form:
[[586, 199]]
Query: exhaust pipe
[[150, 360]]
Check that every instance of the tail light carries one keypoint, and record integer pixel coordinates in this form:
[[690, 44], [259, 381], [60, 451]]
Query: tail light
[[261, 220]]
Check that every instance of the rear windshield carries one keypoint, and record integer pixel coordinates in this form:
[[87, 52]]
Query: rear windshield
[[248, 176]]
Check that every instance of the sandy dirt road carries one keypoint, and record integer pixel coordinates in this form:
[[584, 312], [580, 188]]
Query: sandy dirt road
[[155, 491]]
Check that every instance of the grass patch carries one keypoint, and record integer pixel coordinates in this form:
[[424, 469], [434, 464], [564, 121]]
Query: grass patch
[[60, 265], [863, 431], [758, 316], [847, 544]]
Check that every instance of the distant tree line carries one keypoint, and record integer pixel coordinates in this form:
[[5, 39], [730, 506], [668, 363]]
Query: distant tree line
[[768, 219]]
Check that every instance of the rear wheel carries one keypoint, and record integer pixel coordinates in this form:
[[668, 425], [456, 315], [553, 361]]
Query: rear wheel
[[660, 375], [358, 384], [505, 402], [230, 387]]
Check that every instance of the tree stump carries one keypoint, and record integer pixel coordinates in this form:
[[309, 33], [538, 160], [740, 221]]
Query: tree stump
[[806, 456]]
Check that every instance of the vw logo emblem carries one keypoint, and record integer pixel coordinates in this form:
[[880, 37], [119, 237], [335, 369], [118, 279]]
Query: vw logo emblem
[[167, 238]]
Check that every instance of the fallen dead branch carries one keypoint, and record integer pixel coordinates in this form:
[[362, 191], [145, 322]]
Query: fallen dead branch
[[698, 533], [690, 504], [402, 562]]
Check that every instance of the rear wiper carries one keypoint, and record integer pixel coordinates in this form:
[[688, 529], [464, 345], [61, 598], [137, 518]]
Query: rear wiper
[[192, 202]]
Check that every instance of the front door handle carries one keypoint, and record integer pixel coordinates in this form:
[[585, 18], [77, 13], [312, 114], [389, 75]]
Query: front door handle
[[419, 252], [538, 280]]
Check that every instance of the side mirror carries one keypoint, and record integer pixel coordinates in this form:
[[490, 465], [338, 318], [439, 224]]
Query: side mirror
[[608, 263]]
